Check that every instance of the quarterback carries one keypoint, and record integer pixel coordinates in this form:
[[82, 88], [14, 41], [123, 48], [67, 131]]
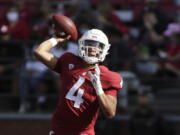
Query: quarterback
[[86, 87]]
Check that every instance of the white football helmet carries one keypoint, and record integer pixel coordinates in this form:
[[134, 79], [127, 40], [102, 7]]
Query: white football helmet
[[93, 38]]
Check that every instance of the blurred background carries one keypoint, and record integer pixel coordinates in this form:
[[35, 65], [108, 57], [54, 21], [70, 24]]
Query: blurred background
[[145, 50]]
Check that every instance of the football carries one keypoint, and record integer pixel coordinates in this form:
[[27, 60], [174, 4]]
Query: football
[[64, 26]]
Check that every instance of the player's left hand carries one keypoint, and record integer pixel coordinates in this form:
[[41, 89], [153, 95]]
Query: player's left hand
[[95, 78]]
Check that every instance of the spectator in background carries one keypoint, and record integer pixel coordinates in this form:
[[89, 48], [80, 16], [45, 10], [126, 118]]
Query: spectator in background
[[86, 16], [18, 28], [152, 23], [172, 50], [152, 6], [32, 82], [10, 61], [145, 120], [121, 53], [108, 17], [42, 26], [26, 12], [145, 66]]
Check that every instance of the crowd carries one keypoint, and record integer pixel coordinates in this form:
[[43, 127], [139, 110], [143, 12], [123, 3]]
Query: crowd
[[145, 42]]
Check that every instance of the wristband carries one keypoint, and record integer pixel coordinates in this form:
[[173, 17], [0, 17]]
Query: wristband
[[53, 41], [99, 91]]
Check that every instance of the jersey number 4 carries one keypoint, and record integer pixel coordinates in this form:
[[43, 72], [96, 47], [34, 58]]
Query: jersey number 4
[[77, 98]]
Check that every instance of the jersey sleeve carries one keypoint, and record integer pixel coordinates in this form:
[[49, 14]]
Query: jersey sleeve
[[112, 84], [112, 92], [61, 60]]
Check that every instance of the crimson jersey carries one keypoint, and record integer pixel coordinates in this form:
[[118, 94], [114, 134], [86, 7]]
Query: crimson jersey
[[78, 106]]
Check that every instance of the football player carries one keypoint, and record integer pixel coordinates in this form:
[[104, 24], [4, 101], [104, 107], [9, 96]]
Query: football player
[[86, 86]]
